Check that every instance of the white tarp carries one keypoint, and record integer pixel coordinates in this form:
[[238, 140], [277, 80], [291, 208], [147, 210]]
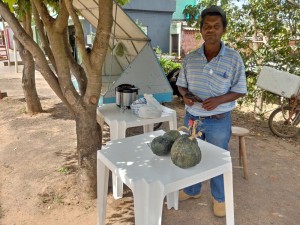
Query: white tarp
[[130, 58]]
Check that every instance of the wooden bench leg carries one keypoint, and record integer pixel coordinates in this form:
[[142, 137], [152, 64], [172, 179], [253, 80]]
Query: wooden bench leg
[[240, 152], [243, 156]]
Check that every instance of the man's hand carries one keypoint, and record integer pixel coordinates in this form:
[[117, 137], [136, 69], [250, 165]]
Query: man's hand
[[189, 99], [193, 97], [211, 103]]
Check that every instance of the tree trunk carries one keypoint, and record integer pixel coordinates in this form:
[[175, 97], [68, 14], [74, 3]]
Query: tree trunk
[[28, 81], [89, 140], [259, 104], [84, 106]]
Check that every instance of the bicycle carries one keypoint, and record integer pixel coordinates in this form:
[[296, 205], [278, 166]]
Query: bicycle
[[285, 120]]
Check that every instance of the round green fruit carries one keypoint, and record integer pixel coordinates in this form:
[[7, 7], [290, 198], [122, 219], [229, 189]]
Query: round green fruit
[[172, 134], [161, 145], [185, 152]]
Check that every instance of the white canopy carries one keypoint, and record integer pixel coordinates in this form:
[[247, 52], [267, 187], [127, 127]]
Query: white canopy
[[130, 58]]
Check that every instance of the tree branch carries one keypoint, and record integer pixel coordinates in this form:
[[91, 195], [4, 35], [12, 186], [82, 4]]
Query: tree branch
[[43, 12], [292, 2], [103, 31], [33, 48], [79, 33], [43, 38], [27, 26], [76, 69], [100, 47], [61, 21]]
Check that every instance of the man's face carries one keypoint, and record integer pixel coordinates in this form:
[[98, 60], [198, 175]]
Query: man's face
[[212, 29]]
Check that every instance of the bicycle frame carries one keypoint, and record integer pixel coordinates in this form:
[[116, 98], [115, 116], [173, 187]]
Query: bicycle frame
[[284, 120], [294, 103]]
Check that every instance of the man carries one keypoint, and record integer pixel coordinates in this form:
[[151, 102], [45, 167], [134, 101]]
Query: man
[[210, 81]]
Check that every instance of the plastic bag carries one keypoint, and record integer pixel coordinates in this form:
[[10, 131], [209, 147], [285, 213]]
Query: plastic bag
[[153, 109], [147, 107], [137, 104]]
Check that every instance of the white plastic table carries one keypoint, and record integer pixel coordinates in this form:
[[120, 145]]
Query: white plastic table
[[119, 121], [152, 177]]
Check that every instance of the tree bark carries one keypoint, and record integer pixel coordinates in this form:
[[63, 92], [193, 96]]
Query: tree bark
[[34, 49], [43, 36], [28, 77], [89, 140], [83, 107], [28, 81], [75, 68]]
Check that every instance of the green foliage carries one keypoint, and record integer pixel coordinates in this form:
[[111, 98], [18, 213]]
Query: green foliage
[[21, 7], [262, 31], [158, 50], [123, 2], [168, 65], [10, 4]]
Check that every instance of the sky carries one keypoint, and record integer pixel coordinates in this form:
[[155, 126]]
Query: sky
[[240, 3]]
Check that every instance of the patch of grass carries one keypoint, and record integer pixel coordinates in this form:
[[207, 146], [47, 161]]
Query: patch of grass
[[58, 199], [63, 170], [23, 110]]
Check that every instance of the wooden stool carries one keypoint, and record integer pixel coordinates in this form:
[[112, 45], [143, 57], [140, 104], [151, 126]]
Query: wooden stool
[[241, 133]]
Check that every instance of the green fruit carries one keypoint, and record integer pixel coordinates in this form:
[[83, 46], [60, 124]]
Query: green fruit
[[185, 152], [172, 134], [161, 145]]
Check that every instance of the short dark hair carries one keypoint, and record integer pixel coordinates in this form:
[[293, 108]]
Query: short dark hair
[[213, 10]]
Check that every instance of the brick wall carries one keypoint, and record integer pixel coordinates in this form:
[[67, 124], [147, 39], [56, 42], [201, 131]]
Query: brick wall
[[189, 41]]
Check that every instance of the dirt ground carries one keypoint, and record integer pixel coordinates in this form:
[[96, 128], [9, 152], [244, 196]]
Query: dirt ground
[[38, 178]]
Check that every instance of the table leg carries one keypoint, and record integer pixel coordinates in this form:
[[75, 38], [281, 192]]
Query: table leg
[[148, 128], [117, 131], [229, 205], [173, 122], [117, 186], [172, 200], [148, 202], [102, 187], [121, 129]]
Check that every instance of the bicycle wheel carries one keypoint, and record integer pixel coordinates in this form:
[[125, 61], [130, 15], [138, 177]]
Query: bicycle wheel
[[281, 125]]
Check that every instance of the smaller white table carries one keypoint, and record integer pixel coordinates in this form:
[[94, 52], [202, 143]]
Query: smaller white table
[[152, 177], [119, 121]]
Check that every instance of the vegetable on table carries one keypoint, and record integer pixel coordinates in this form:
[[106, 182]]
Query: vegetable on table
[[185, 151]]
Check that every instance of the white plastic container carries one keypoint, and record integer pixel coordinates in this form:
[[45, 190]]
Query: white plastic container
[[278, 82]]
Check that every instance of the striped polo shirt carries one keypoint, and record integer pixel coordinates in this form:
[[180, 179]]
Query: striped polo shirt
[[224, 73]]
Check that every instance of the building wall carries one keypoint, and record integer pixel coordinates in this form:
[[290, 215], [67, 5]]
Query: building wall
[[153, 5], [189, 41], [156, 15]]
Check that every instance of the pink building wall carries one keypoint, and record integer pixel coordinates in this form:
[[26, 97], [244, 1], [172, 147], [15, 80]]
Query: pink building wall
[[189, 41]]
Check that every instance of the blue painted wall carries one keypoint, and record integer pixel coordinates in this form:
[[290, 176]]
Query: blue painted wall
[[156, 15]]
